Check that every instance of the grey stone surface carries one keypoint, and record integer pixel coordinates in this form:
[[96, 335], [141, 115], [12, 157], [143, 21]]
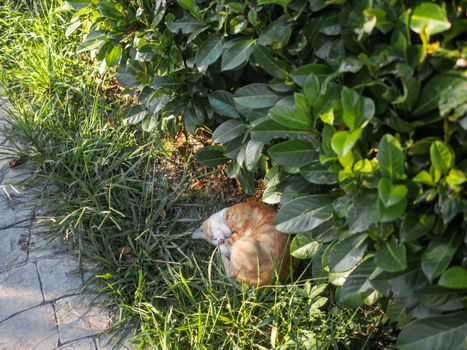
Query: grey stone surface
[[42, 244], [78, 317], [83, 344], [14, 247], [19, 290], [59, 276], [31, 330]]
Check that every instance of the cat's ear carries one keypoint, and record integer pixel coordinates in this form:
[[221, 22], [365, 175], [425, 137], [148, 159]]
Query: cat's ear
[[198, 233]]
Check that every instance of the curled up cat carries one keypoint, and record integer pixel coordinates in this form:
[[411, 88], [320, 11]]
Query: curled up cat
[[252, 249]]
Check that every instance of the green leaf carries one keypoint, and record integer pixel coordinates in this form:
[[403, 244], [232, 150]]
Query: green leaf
[[223, 103], [187, 25], [312, 89], [383, 21], [211, 156], [455, 277], [453, 100], [228, 130], [293, 153], [256, 96], [291, 117], [72, 28], [300, 74], [303, 246], [455, 178], [95, 39], [348, 253], [113, 56], [392, 212], [432, 91], [416, 223], [358, 282], [134, 114], [439, 253], [424, 177], [443, 299], [359, 210], [237, 54], [283, 3], [391, 158], [435, 333], [351, 106], [318, 174], [246, 181], [188, 5], [430, 17], [126, 78], [276, 34], [252, 154], [391, 256], [390, 194], [269, 130], [357, 110], [304, 213], [342, 142], [209, 51], [441, 157], [273, 66]]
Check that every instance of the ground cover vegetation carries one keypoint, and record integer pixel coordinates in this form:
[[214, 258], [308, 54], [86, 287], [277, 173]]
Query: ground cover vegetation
[[123, 198], [353, 114]]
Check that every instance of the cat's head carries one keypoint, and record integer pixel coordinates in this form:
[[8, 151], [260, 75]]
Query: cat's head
[[214, 229]]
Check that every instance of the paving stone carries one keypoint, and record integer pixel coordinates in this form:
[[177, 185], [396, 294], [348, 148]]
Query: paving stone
[[19, 173], [32, 330], [77, 317], [19, 290], [83, 344], [44, 244], [13, 214], [58, 276], [13, 247]]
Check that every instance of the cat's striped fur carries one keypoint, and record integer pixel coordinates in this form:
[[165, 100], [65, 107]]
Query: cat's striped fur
[[252, 249]]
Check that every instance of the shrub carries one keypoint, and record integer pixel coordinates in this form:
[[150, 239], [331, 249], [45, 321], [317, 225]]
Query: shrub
[[354, 113]]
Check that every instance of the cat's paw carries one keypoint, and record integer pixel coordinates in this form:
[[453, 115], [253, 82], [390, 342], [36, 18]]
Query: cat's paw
[[225, 250]]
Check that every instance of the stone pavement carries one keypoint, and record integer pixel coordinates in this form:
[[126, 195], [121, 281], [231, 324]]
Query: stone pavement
[[43, 304]]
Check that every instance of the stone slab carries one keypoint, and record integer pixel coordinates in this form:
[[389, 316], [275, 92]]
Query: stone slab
[[83, 344], [44, 244], [58, 276], [77, 317], [19, 290], [14, 247], [14, 214], [32, 330]]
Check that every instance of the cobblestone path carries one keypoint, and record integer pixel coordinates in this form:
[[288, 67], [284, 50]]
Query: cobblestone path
[[43, 304]]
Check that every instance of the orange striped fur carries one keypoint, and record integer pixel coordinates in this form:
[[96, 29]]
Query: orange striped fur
[[252, 249]]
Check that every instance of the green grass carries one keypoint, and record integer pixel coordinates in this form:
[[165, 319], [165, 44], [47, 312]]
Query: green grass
[[131, 223]]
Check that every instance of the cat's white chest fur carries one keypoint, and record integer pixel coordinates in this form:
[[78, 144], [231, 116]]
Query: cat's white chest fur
[[219, 229]]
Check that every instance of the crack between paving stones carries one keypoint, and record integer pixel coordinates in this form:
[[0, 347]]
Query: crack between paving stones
[[25, 310], [96, 344], [59, 341], [68, 342], [40, 281], [43, 303], [13, 224]]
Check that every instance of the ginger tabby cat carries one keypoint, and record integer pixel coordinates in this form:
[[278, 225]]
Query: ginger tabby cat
[[252, 249]]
